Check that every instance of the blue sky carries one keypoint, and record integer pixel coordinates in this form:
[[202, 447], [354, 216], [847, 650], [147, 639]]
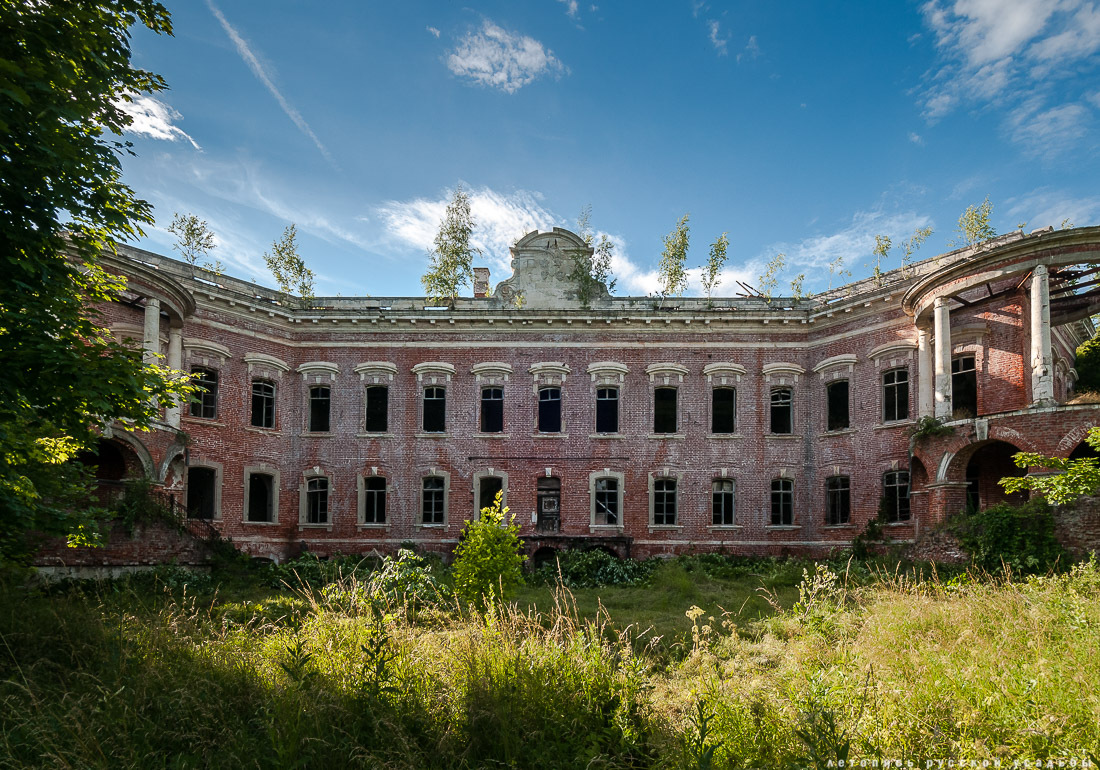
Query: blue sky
[[797, 127]]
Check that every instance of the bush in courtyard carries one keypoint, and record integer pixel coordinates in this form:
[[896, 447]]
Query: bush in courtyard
[[488, 561], [1020, 537], [595, 568]]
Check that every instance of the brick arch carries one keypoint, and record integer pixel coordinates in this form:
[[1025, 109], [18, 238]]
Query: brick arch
[[135, 445], [1071, 440], [953, 464]]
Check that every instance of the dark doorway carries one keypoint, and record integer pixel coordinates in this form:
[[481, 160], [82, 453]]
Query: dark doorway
[[987, 466], [201, 488], [549, 505]]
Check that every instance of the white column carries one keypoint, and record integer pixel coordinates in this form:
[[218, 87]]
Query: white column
[[1042, 364], [942, 359], [924, 373], [151, 343], [175, 361]]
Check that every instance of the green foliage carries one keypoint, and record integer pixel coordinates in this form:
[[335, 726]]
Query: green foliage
[[406, 580], [594, 568], [1072, 479], [770, 279], [65, 70], [1020, 538], [1087, 364], [488, 559], [451, 259], [873, 533], [288, 268], [591, 269], [837, 269], [929, 427], [880, 252], [912, 245], [671, 272], [712, 271], [974, 226], [194, 239], [140, 504]]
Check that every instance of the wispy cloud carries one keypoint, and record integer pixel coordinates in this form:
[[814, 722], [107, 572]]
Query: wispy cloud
[[751, 50], [433, 31], [262, 75], [1045, 207], [153, 118], [717, 39], [916, 138], [497, 58], [1049, 132], [572, 9]]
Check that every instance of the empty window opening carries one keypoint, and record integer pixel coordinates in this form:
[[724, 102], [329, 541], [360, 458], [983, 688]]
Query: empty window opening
[[548, 496], [435, 410], [964, 388], [378, 409], [317, 501], [607, 410], [607, 501], [781, 411], [488, 490], [723, 408], [782, 502], [664, 410], [261, 496], [432, 500], [664, 502], [201, 492], [492, 410], [836, 397], [374, 500], [895, 395], [204, 402], [722, 502], [263, 404], [550, 410], [838, 500], [319, 407], [895, 494]]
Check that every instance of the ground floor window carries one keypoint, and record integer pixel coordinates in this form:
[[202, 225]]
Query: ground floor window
[[782, 502], [664, 502], [374, 500], [895, 494], [722, 502], [838, 500]]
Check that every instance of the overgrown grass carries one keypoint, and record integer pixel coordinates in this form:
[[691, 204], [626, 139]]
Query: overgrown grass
[[696, 669]]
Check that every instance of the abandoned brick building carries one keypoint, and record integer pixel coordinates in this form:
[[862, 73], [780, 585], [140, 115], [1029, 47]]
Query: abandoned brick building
[[633, 424]]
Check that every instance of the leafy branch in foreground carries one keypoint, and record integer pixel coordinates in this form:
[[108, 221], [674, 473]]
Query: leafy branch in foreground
[[1070, 480]]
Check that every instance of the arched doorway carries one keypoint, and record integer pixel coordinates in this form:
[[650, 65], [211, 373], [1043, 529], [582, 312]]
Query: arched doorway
[[110, 464], [1083, 451], [988, 464]]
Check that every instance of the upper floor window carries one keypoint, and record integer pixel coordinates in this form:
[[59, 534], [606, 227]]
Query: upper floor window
[[317, 500], [664, 410], [782, 502], [895, 395], [895, 493], [261, 497], [204, 402], [374, 500], [319, 406], [606, 504], [492, 410], [664, 502], [723, 408], [549, 410], [781, 407], [722, 502], [433, 500], [377, 408], [836, 398], [263, 404], [607, 410], [838, 500], [964, 387], [435, 410]]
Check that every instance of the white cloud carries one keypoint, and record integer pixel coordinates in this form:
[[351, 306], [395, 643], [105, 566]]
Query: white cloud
[[501, 59], [719, 41], [752, 50], [1049, 132], [258, 70], [916, 138], [433, 31], [1045, 207], [571, 8], [153, 118]]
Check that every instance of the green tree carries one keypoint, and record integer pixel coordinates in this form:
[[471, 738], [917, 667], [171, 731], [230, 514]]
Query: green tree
[[1070, 480], [837, 269], [592, 271], [488, 559], [671, 272], [288, 268], [712, 271], [451, 259], [65, 68], [912, 245], [974, 224], [880, 252], [770, 279], [194, 239], [1087, 364]]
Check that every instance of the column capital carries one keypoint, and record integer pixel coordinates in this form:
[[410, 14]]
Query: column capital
[[939, 302]]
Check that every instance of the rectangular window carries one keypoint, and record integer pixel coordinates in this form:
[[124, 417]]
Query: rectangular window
[[261, 496], [664, 502], [317, 501], [201, 492], [607, 501], [722, 502], [895, 395], [431, 503], [374, 500], [782, 502], [263, 404], [435, 410], [488, 489], [378, 409], [204, 402], [550, 410], [664, 410], [319, 405], [836, 397], [964, 388], [492, 410], [607, 410], [895, 490], [723, 408], [838, 500], [781, 411]]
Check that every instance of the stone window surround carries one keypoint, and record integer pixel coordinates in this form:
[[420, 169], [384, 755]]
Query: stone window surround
[[665, 375], [723, 374], [218, 481], [607, 473], [436, 473], [432, 374], [268, 470], [607, 374], [678, 477], [489, 473], [373, 471], [316, 472], [881, 419], [784, 474], [373, 373]]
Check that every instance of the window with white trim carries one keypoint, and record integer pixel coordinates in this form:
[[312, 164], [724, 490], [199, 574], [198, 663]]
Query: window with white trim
[[895, 493], [374, 500], [836, 405], [664, 502], [317, 491], [722, 502], [782, 502], [664, 410], [320, 406], [204, 401], [263, 404], [377, 408], [435, 410], [895, 395], [607, 498], [723, 410], [260, 503], [549, 417], [838, 500], [782, 408], [492, 410], [607, 410], [433, 500]]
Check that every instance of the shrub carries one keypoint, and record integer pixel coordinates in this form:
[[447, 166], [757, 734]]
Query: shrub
[[1019, 537], [488, 560], [405, 580], [1087, 365], [595, 568]]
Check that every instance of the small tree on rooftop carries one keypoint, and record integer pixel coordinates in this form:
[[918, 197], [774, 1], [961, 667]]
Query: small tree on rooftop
[[712, 270], [591, 270], [450, 263], [671, 272], [194, 239], [288, 268], [974, 224], [770, 279]]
